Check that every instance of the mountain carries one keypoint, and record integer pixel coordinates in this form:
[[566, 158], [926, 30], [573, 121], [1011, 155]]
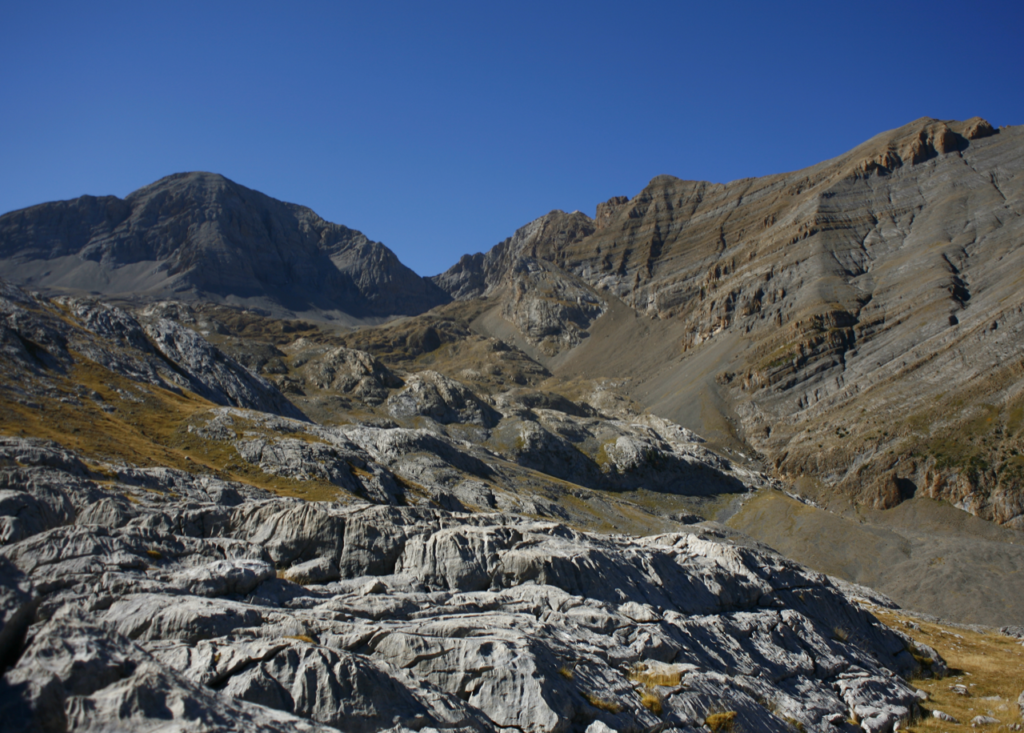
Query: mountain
[[493, 513], [856, 324], [200, 236], [190, 550]]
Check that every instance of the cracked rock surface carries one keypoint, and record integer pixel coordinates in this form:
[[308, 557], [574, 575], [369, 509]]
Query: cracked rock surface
[[233, 609]]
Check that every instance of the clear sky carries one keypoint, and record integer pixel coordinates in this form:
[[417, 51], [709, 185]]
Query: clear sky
[[439, 128]]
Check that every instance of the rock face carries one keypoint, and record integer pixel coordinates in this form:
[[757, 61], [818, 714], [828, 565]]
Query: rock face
[[845, 316], [548, 305], [201, 236], [144, 388], [46, 339], [412, 618], [351, 371], [433, 395]]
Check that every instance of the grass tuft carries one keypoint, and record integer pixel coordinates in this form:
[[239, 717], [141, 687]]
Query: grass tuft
[[640, 674], [601, 703], [720, 722], [652, 701]]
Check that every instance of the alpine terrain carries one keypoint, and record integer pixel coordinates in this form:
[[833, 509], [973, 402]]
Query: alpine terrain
[[676, 467]]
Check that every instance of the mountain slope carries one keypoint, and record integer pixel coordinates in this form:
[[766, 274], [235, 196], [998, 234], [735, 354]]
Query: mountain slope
[[202, 236], [857, 322]]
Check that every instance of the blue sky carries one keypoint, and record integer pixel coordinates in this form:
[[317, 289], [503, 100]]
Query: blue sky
[[439, 128]]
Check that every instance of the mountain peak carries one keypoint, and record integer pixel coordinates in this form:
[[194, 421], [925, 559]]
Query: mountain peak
[[200, 235]]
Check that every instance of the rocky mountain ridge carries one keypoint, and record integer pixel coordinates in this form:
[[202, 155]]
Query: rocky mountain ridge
[[200, 236], [449, 419], [857, 322]]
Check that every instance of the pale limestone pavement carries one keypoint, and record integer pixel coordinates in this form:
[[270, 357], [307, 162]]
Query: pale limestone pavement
[[170, 614]]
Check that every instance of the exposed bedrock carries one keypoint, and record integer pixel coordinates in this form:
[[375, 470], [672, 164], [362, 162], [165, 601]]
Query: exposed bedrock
[[262, 613]]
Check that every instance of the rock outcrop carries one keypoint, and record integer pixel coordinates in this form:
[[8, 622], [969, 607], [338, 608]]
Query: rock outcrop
[[433, 395], [391, 618], [46, 340], [351, 372], [550, 307]]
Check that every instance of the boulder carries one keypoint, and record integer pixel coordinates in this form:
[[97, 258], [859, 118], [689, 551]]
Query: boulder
[[979, 721], [320, 570]]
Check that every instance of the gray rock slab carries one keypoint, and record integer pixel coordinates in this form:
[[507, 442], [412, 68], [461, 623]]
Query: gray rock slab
[[319, 570]]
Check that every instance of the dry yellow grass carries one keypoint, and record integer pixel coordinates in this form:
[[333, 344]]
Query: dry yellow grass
[[601, 703], [989, 665], [147, 429], [640, 674], [720, 722], [651, 700]]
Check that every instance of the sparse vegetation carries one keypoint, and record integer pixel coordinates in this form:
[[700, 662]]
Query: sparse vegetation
[[640, 674], [990, 665], [721, 722], [795, 724], [609, 706], [651, 700]]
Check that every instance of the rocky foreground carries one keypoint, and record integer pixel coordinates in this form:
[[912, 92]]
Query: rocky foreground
[[171, 601]]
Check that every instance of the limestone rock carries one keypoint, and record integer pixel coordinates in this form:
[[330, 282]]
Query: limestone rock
[[482, 274], [17, 603], [982, 720], [351, 371], [422, 619], [223, 577], [320, 570], [218, 377], [161, 353], [433, 395], [976, 128], [151, 616], [76, 677]]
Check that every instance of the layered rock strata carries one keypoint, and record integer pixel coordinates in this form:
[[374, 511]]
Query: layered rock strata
[[859, 321]]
